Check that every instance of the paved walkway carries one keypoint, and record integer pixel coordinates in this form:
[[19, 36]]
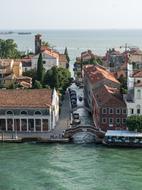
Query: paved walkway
[[64, 119]]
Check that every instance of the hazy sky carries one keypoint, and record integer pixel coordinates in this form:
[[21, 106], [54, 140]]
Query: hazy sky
[[70, 14]]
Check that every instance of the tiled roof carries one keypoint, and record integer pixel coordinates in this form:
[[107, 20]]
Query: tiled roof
[[108, 97], [32, 98], [98, 73], [138, 74]]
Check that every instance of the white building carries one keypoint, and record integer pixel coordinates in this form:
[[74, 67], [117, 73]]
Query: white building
[[28, 110], [133, 99], [50, 58]]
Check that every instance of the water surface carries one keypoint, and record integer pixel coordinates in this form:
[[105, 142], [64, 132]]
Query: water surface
[[69, 167]]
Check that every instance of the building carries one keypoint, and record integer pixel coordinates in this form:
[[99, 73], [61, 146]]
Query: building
[[116, 62], [109, 109], [26, 64], [86, 56], [50, 58], [103, 98], [38, 43], [93, 78], [11, 72], [25, 110], [133, 98], [63, 62]]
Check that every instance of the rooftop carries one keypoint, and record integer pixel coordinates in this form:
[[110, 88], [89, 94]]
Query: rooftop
[[98, 73], [30, 98], [137, 74], [108, 97]]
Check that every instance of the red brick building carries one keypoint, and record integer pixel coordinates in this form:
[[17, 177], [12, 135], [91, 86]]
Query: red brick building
[[103, 98], [109, 110]]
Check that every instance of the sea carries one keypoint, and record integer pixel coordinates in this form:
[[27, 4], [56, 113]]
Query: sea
[[31, 166]]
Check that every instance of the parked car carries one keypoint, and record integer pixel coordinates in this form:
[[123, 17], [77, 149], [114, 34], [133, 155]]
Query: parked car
[[72, 93], [74, 105], [73, 97], [75, 115], [73, 101]]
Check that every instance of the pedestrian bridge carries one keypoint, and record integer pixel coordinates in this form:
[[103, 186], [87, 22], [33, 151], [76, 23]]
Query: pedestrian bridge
[[86, 128]]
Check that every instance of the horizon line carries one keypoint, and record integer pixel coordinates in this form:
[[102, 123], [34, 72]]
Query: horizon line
[[70, 29]]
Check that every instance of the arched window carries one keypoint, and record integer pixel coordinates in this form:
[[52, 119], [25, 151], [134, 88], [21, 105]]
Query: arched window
[[37, 113], [9, 112], [138, 94], [24, 113]]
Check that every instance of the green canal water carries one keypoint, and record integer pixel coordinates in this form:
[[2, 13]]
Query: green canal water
[[69, 167]]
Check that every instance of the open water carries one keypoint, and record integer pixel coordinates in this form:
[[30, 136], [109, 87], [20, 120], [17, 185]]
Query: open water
[[70, 166]]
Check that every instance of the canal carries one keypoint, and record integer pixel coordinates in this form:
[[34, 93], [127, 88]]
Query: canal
[[69, 167]]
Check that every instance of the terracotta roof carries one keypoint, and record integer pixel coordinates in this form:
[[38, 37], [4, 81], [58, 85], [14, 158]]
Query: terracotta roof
[[137, 74], [98, 73], [32, 98], [108, 97]]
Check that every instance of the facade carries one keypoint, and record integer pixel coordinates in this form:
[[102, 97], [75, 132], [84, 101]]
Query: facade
[[116, 62], [50, 58], [63, 62], [26, 111], [109, 109], [103, 98], [26, 64], [38, 43], [133, 98], [11, 72]]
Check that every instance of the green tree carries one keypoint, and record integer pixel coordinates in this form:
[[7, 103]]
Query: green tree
[[58, 78], [67, 55], [40, 70], [37, 85], [8, 49], [134, 123]]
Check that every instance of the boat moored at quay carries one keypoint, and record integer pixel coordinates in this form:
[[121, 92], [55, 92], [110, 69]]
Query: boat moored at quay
[[122, 138]]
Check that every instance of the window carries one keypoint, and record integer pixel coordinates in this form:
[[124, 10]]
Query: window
[[138, 81], [110, 120], [138, 94], [124, 111], [110, 110], [131, 111], [138, 109], [44, 62], [124, 121], [117, 120], [9, 112], [104, 111], [104, 120], [37, 113], [118, 111], [24, 113]]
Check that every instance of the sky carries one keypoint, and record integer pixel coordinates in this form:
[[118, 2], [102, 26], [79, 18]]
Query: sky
[[71, 14]]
